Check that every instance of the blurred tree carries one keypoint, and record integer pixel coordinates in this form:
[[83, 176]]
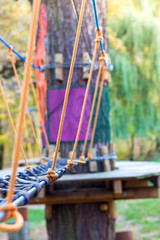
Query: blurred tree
[[135, 53]]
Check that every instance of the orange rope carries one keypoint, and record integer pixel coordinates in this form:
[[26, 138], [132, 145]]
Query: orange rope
[[36, 6], [92, 109], [20, 88], [69, 82], [97, 111], [11, 212], [11, 121], [85, 97], [40, 119]]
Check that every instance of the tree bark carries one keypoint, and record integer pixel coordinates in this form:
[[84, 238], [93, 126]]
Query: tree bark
[[80, 221], [75, 221]]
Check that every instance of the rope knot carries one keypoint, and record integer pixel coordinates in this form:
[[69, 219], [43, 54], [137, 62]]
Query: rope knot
[[99, 32], [51, 174], [10, 53], [11, 211], [101, 59], [82, 159], [89, 155], [29, 168], [70, 164]]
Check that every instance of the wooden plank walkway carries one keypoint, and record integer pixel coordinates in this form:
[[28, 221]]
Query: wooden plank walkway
[[124, 170]]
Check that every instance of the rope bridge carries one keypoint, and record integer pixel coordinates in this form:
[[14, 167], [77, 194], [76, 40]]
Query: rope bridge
[[20, 187]]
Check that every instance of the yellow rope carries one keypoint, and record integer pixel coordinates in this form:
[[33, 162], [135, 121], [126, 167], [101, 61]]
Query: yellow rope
[[36, 6], [41, 120], [69, 83], [11, 122], [97, 111], [85, 97], [92, 108], [20, 89]]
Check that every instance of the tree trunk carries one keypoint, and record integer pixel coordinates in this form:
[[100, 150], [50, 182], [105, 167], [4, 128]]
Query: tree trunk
[[75, 221], [80, 221]]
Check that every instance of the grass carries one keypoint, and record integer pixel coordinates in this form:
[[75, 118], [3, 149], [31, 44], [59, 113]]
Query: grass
[[143, 216], [140, 216], [36, 217]]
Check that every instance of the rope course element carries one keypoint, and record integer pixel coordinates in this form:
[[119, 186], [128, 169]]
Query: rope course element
[[92, 108], [69, 82], [97, 111], [41, 119], [84, 39], [98, 39], [54, 65], [15, 52], [36, 6], [29, 183], [12, 124], [13, 61], [20, 187]]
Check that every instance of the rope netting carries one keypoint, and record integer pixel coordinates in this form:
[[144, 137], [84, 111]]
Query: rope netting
[[18, 188]]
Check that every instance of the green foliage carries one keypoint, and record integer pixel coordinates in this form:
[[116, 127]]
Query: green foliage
[[135, 86], [14, 25]]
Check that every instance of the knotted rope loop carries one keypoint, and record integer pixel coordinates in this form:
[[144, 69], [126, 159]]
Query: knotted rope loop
[[11, 211], [97, 40], [99, 32], [101, 60], [28, 168], [43, 160], [51, 174]]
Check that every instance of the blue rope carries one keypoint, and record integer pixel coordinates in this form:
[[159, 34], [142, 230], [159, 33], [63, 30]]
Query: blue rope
[[29, 183], [18, 54], [41, 69], [109, 66]]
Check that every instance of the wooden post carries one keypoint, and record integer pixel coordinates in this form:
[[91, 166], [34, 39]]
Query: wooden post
[[111, 150]]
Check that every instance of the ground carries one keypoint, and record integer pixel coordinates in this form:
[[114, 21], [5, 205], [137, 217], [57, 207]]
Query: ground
[[140, 216]]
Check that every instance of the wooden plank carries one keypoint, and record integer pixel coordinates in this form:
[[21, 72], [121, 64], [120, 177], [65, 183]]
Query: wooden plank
[[59, 70], [89, 196], [136, 183], [117, 187], [125, 170], [112, 210]]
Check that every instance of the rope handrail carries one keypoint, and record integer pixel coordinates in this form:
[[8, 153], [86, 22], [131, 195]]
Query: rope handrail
[[11, 122], [92, 109], [17, 53], [13, 61], [98, 28], [69, 82], [52, 65], [30, 179], [98, 38], [36, 7], [97, 112]]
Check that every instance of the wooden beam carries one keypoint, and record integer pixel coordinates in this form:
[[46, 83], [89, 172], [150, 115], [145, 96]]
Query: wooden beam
[[136, 183], [90, 196], [112, 210]]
